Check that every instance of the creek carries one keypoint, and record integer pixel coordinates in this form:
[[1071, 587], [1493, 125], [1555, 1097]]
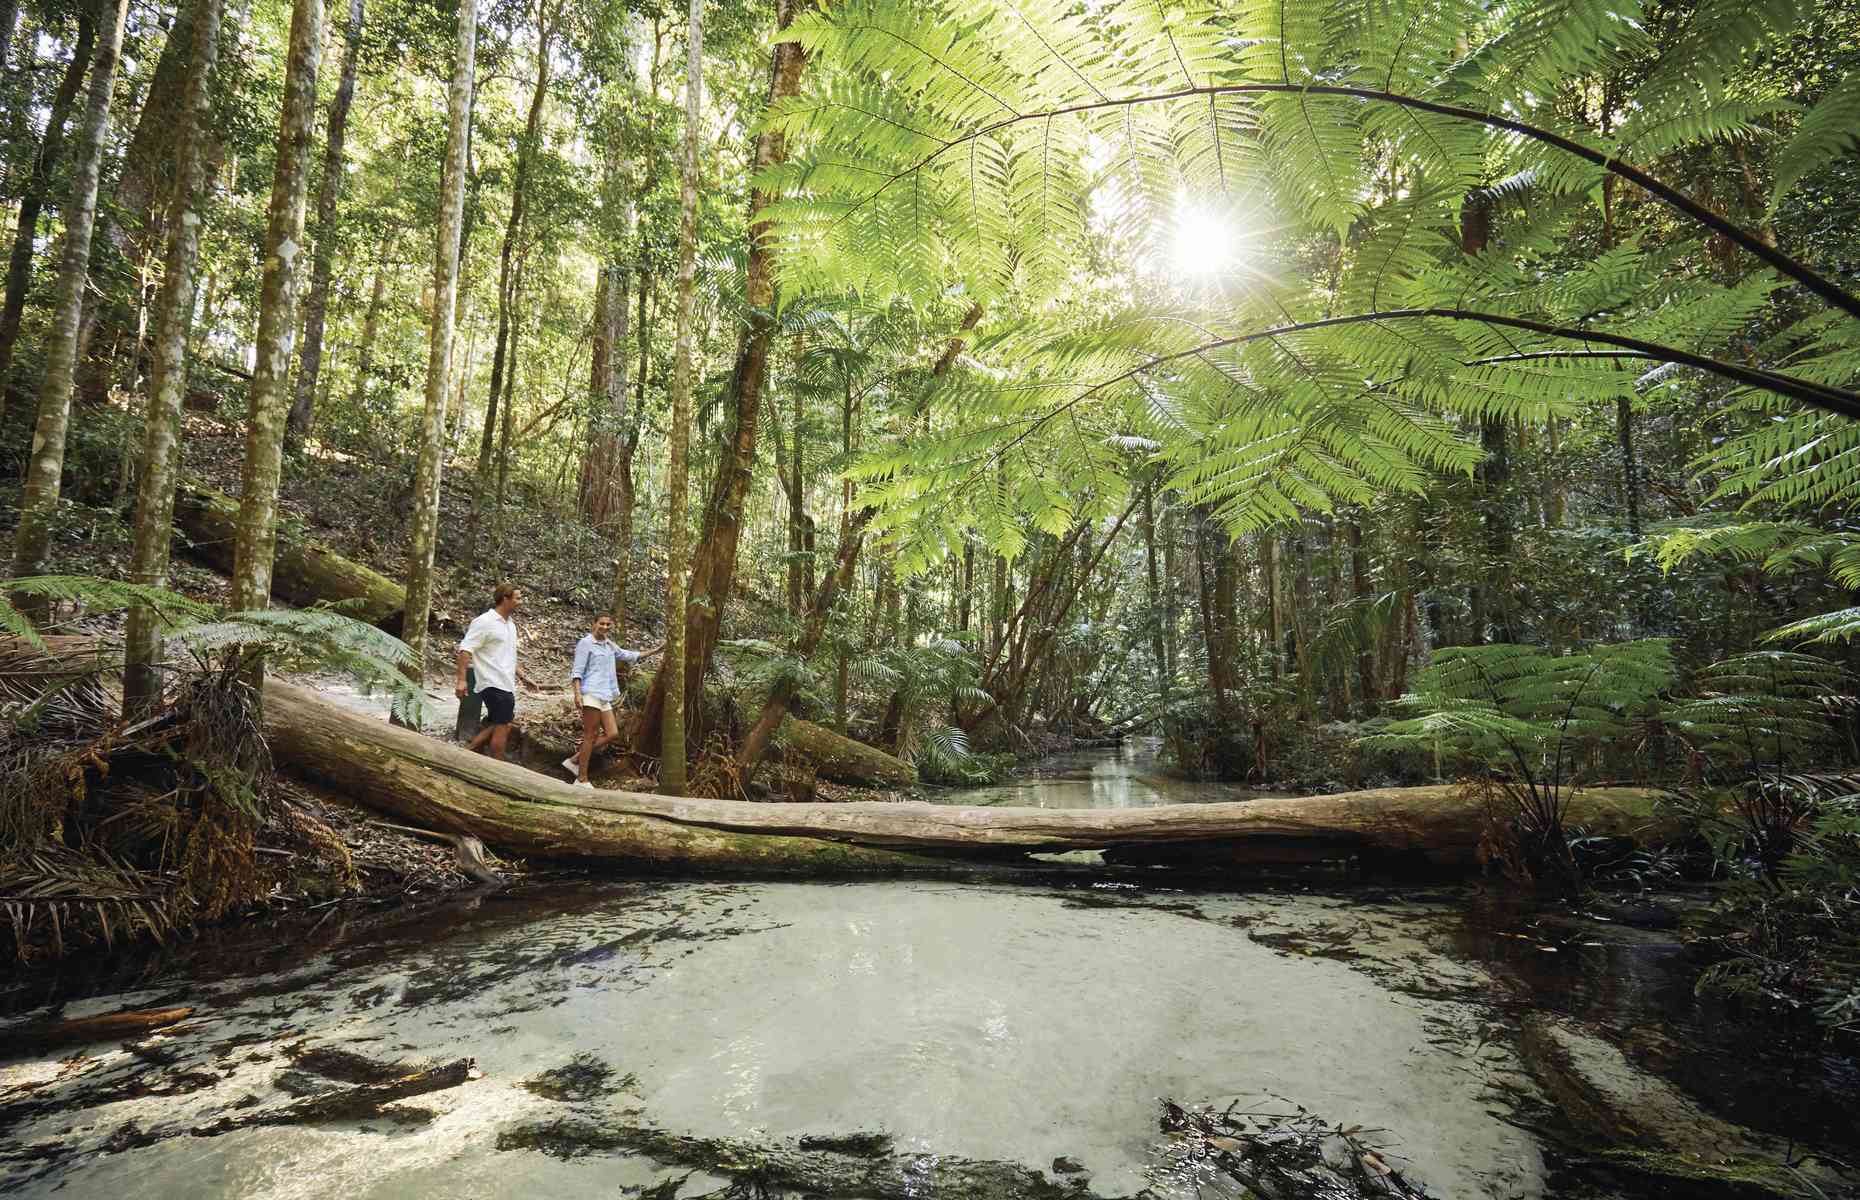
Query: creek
[[1000, 1023]]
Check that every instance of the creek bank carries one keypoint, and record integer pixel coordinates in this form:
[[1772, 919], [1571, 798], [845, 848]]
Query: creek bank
[[1636, 1122]]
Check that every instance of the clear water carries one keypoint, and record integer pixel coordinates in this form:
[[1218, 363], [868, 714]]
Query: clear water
[[984, 1021], [1129, 776]]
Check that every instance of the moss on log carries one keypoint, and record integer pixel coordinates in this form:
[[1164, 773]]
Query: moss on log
[[842, 759], [441, 786], [305, 572]]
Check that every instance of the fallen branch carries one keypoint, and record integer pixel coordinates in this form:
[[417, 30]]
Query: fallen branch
[[348, 1104]]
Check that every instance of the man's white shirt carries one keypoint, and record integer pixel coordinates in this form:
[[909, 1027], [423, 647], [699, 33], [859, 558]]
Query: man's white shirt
[[492, 643]]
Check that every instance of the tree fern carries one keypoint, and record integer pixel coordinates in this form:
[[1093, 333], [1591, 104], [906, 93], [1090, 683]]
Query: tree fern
[[1525, 711], [1761, 709], [106, 595]]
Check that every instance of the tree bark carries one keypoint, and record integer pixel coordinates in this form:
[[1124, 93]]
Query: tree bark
[[436, 785], [38, 503], [9, 19], [713, 566], [277, 313], [668, 722], [316, 304], [130, 230], [371, 329], [174, 310], [38, 185], [1630, 468], [1359, 591], [1275, 616], [426, 479], [526, 152], [797, 511], [1155, 593]]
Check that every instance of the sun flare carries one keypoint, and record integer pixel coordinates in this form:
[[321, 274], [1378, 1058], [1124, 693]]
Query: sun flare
[[1204, 243]]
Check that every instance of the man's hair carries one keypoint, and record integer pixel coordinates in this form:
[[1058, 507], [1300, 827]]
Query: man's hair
[[502, 592]]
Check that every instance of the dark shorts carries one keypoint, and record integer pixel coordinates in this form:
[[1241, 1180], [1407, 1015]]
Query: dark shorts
[[500, 706]]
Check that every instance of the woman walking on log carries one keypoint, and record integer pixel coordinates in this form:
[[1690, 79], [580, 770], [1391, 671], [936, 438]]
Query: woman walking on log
[[597, 687]]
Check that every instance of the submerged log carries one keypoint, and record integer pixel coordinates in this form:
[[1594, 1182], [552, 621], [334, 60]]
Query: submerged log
[[206, 523], [38, 1037], [441, 786], [356, 1103], [844, 760], [859, 1165]]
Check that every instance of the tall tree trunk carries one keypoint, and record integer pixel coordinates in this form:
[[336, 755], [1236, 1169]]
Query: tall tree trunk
[[1155, 597], [713, 566], [316, 304], [797, 515], [1275, 613], [371, 328], [623, 468], [595, 489], [965, 610], [1216, 570], [507, 413], [277, 313], [1556, 495], [502, 351], [670, 719], [1301, 609], [130, 233], [426, 477], [38, 503], [38, 184], [1359, 591], [1491, 605], [174, 310], [9, 20], [1630, 468]]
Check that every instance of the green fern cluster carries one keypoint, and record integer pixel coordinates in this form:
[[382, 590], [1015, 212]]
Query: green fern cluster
[[1762, 709], [1525, 711], [997, 148], [320, 639]]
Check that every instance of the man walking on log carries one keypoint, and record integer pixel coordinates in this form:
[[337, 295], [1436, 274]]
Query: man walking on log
[[597, 689], [490, 649]]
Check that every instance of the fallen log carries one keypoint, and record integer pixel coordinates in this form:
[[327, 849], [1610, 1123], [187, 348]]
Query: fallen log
[[347, 1104], [38, 1037], [437, 785], [305, 572], [859, 1165], [844, 760]]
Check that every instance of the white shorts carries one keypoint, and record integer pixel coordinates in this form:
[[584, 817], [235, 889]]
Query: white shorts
[[596, 705]]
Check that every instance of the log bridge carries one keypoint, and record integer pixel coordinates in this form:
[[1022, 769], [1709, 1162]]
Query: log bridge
[[441, 786]]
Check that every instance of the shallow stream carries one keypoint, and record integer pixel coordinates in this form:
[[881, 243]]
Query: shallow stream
[[981, 1021]]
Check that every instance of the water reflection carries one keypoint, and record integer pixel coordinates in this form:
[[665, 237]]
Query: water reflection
[[1128, 776]]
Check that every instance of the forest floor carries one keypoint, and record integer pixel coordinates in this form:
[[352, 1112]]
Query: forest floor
[[359, 508]]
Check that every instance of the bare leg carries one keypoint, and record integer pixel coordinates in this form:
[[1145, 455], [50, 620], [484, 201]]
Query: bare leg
[[590, 721], [500, 734], [483, 736]]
